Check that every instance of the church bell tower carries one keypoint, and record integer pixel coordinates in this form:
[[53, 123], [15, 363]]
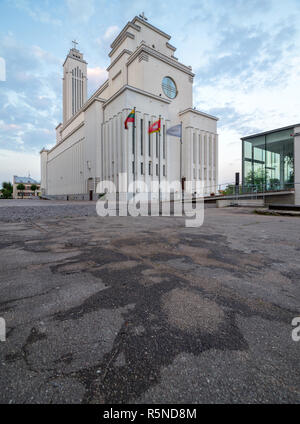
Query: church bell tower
[[74, 83]]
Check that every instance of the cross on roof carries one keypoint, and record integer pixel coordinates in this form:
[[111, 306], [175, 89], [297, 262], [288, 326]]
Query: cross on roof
[[74, 44], [142, 15]]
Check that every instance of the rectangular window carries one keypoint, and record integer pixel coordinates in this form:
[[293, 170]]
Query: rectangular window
[[142, 168], [156, 170], [164, 170], [149, 169], [164, 142], [149, 140], [247, 150], [268, 161], [142, 137], [133, 167], [156, 142]]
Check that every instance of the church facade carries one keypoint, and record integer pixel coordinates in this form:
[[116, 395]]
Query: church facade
[[92, 144]]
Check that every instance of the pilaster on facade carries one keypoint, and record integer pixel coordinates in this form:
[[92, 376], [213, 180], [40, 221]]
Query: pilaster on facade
[[197, 153], [203, 137], [217, 160]]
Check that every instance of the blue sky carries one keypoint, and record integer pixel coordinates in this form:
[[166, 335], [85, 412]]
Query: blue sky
[[245, 53]]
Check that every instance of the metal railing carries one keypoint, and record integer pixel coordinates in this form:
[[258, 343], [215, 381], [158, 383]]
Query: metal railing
[[230, 189]]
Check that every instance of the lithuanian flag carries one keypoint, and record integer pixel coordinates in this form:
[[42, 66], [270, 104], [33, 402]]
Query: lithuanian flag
[[130, 118]]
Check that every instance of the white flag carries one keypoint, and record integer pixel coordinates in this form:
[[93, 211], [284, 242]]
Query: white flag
[[175, 131]]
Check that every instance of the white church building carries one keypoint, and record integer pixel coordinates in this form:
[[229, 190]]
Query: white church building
[[92, 144]]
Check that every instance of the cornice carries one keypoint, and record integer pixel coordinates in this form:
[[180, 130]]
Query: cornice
[[197, 112], [67, 148], [85, 107], [125, 33], [124, 30], [143, 22], [202, 132], [143, 56], [289, 127], [135, 90], [125, 51], [67, 136], [101, 88], [160, 56], [124, 36], [117, 74], [171, 47], [74, 58]]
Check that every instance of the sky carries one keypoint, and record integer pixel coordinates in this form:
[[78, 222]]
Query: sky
[[245, 54]]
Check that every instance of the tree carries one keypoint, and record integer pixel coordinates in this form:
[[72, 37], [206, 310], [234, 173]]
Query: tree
[[256, 180], [7, 190], [21, 187], [228, 190], [34, 187]]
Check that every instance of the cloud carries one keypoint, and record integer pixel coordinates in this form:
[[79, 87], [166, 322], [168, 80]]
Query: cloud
[[9, 127], [2, 69], [30, 97], [35, 12], [19, 163], [245, 51], [45, 56], [247, 79], [109, 35], [81, 10], [111, 32], [96, 77]]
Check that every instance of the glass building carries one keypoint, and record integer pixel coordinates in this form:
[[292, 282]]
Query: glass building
[[268, 160]]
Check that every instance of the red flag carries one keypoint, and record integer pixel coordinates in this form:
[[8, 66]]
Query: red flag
[[155, 127]]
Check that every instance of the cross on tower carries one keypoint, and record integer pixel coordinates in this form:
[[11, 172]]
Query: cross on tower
[[74, 44]]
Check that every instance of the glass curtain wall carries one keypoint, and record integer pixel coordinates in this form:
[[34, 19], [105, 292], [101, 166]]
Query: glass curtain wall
[[268, 162]]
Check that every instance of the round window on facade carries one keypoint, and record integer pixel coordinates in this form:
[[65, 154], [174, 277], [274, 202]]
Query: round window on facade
[[169, 87]]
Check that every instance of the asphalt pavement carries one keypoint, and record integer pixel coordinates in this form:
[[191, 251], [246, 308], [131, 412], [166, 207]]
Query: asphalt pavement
[[146, 310]]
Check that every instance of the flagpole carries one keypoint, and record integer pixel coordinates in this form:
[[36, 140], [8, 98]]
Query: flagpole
[[159, 178], [181, 153], [135, 148], [181, 160]]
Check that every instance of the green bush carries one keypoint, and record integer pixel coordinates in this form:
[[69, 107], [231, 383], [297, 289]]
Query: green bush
[[7, 190]]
